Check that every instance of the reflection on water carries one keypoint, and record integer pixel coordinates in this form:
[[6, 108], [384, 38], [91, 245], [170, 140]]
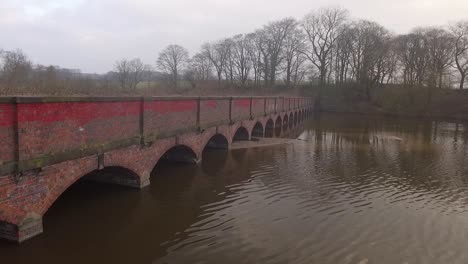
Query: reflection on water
[[353, 189]]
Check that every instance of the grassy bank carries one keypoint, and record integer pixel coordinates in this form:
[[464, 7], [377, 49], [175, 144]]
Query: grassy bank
[[102, 87], [420, 102]]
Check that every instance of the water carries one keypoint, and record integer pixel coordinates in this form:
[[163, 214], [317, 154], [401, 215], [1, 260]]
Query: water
[[354, 189]]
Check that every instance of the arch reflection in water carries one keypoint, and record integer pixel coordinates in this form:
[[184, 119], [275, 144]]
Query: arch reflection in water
[[285, 123], [269, 128], [278, 126]]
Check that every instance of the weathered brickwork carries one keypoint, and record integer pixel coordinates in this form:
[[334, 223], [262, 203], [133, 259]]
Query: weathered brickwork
[[7, 133], [168, 117], [270, 105], [47, 144], [240, 109], [214, 112], [59, 127], [258, 107]]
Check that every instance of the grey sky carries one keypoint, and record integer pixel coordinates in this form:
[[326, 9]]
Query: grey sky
[[92, 34]]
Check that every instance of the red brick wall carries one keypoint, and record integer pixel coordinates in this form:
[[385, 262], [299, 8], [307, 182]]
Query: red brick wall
[[240, 108], [270, 105], [280, 104], [287, 103], [166, 117], [48, 128], [7, 133], [214, 111], [258, 107]]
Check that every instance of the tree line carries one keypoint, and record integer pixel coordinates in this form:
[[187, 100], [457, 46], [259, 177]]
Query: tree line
[[326, 47]]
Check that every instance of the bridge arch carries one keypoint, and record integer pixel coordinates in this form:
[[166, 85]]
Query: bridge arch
[[269, 128], [179, 153], [117, 175], [51, 183], [241, 134], [295, 118], [217, 141], [258, 130], [278, 125]]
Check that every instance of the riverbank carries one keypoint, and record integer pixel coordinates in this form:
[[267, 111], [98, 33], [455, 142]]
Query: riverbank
[[395, 101]]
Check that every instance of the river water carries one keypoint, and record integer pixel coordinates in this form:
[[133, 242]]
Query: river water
[[353, 189]]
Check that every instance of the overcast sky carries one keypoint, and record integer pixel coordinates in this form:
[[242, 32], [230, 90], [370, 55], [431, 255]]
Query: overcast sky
[[92, 34]]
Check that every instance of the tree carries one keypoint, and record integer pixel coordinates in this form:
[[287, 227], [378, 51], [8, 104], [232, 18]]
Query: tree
[[413, 54], [460, 34], [369, 44], [322, 27], [343, 51], [15, 69], [293, 57], [201, 67], [173, 60], [262, 45], [130, 73], [255, 56], [241, 58], [273, 37], [441, 49], [229, 67], [217, 53]]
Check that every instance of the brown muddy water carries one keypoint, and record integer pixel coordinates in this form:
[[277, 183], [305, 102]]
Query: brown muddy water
[[354, 189]]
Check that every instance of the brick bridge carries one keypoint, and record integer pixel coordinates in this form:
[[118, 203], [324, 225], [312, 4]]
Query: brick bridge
[[47, 144]]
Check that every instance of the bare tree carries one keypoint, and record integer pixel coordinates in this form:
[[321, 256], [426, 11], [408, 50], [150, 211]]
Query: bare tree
[[293, 57], [274, 39], [241, 58], [201, 67], [255, 56], [369, 43], [217, 53], [322, 27], [413, 53], [15, 69], [262, 45], [130, 73], [440, 48], [229, 67], [173, 60], [343, 52], [390, 62], [460, 34]]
